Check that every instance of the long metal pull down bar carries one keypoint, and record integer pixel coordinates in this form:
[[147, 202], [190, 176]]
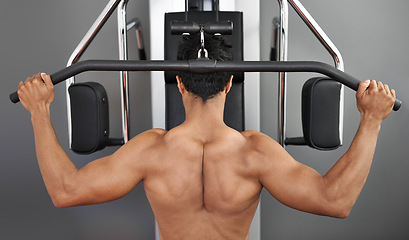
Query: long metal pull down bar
[[200, 66]]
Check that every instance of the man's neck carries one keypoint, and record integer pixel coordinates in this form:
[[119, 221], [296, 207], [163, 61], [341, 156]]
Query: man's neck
[[204, 117]]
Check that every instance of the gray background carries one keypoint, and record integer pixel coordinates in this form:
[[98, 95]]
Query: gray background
[[40, 36]]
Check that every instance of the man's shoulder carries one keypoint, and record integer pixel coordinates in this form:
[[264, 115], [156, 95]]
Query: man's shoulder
[[259, 141], [154, 134], [252, 136], [158, 132], [149, 137]]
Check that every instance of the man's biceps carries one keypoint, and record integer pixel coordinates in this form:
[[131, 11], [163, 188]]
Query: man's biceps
[[96, 169]]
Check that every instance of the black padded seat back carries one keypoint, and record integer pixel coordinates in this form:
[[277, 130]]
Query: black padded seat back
[[234, 108]]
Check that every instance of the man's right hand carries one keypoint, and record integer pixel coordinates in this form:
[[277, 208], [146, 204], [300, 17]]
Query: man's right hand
[[37, 93], [375, 100]]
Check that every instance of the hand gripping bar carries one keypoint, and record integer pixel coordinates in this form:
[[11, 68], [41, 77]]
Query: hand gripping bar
[[206, 66]]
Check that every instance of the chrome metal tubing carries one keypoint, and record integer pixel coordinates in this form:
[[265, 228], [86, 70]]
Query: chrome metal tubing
[[282, 81], [283, 48], [330, 47], [136, 23], [124, 75], [80, 49], [186, 9], [139, 37], [319, 33]]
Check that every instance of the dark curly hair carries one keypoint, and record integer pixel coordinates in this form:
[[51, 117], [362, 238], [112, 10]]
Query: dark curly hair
[[206, 85]]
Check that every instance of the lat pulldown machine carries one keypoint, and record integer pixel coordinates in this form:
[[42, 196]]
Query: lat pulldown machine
[[87, 103]]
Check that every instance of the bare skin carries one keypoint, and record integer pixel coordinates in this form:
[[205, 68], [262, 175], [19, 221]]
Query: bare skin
[[202, 178]]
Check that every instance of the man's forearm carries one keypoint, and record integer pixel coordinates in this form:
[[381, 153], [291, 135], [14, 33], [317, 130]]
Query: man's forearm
[[55, 165], [347, 177]]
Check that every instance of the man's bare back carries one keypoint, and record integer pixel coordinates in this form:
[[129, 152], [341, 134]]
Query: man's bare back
[[203, 179], [202, 187]]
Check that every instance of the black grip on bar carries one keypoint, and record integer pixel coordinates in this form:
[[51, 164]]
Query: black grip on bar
[[179, 28], [206, 66], [14, 97], [55, 79], [223, 28]]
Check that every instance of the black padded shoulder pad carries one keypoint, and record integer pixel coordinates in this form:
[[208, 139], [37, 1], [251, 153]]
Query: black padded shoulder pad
[[89, 117], [320, 113]]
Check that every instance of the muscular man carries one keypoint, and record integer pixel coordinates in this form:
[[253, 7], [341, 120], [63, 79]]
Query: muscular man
[[202, 178]]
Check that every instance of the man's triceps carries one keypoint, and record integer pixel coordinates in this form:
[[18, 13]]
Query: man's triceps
[[296, 185]]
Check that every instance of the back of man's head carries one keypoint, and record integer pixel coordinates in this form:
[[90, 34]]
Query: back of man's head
[[206, 85]]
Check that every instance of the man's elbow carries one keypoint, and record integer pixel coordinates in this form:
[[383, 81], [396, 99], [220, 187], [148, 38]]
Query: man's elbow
[[64, 197], [59, 204], [341, 211], [342, 214], [337, 205], [61, 200], [65, 194], [73, 198]]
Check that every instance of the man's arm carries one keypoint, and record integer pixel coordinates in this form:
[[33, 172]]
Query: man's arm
[[335, 193], [100, 181]]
